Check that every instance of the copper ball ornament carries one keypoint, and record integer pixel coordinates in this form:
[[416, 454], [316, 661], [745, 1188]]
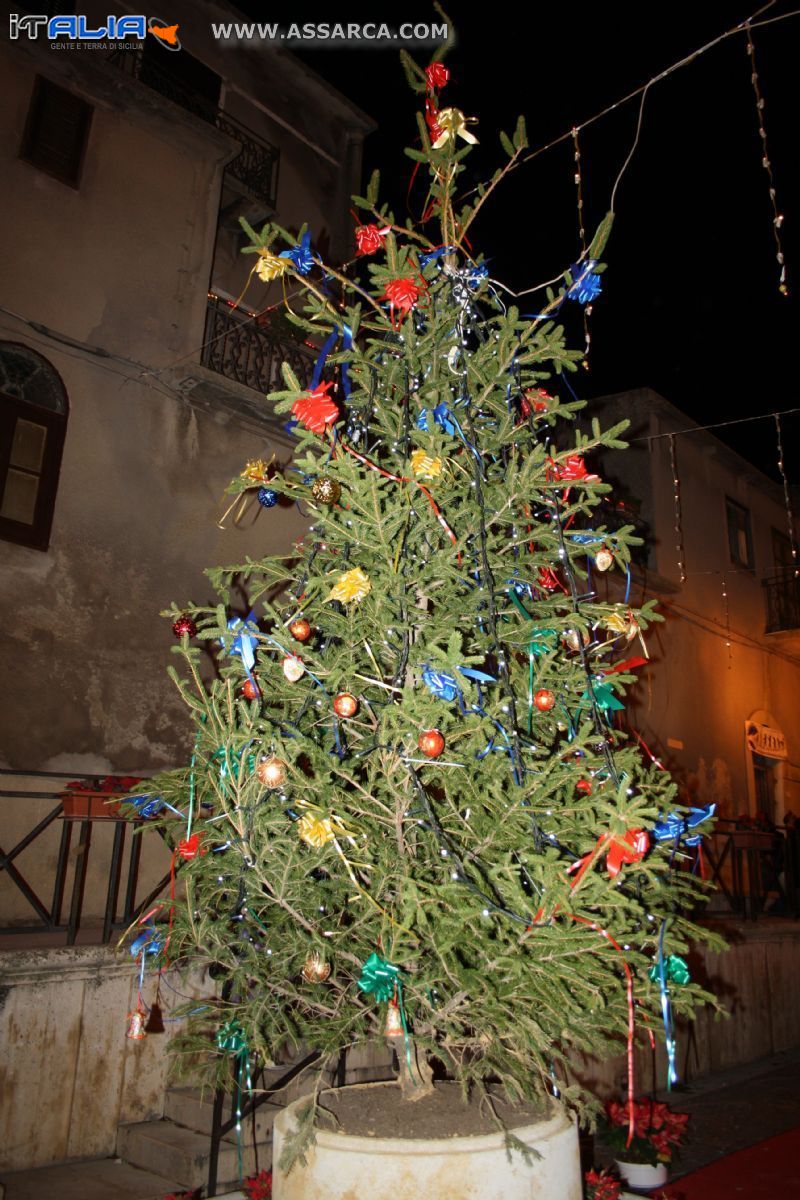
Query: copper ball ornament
[[250, 689], [345, 705], [603, 559], [326, 490], [184, 626], [271, 771], [544, 699], [315, 969], [431, 743], [300, 629]]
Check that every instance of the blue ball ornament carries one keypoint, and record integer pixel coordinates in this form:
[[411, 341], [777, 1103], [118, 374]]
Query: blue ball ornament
[[267, 497]]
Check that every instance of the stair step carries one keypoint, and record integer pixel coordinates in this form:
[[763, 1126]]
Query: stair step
[[184, 1153], [194, 1109], [99, 1179]]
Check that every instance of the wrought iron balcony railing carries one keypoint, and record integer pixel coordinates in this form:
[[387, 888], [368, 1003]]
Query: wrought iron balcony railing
[[255, 167], [248, 349], [782, 596]]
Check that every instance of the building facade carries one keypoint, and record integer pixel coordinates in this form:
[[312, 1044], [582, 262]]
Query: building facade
[[718, 701], [131, 383]]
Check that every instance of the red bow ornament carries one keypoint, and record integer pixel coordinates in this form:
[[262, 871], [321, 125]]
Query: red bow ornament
[[571, 468], [369, 238], [402, 295], [191, 848], [619, 849], [436, 76], [316, 409]]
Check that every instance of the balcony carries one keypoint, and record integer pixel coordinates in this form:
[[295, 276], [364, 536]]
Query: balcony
[[250, 349], [255, 168], [782, 596]]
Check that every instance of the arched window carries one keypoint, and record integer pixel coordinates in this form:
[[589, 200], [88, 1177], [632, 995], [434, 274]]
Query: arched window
[[33, 422]]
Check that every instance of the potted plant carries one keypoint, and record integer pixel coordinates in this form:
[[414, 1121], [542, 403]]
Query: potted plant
[[644, 1158], [426, 829]]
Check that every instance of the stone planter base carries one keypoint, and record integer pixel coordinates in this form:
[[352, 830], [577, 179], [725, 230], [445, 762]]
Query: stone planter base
[[342, 1167]]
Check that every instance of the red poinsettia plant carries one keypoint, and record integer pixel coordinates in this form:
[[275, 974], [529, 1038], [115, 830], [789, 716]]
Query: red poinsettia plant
[[601, 1185], [259, 1187], [657, 1131]]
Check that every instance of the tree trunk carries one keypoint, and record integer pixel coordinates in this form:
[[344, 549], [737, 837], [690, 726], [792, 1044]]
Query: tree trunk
[[416, 1081]]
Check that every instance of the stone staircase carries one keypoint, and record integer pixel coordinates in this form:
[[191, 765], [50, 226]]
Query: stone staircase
[[178, 1146]]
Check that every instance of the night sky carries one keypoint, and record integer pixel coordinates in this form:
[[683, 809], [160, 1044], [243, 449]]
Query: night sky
[[690, 304]]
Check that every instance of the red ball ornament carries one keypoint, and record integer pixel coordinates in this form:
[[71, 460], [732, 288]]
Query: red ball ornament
[[184, 626], [583, 785], [250, 689], [431, 743], [544, 700], [345, 705], [300, 629]]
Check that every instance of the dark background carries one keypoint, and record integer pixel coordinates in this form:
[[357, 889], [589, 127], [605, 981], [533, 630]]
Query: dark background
[[690, 302]]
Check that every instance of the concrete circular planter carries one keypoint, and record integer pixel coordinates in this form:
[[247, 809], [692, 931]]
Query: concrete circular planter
[[342, 1167]]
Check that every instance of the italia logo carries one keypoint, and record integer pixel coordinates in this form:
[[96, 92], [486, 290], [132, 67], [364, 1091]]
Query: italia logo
[[79, 29]]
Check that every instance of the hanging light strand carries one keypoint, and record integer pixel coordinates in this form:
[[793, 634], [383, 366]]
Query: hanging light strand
[[787, 499], [777, 217], [676, 496], [578, 179]]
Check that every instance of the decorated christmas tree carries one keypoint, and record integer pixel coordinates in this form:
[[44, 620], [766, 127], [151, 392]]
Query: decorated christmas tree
[[413, 809]]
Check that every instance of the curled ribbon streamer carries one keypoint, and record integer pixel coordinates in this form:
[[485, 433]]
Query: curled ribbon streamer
[[404, 479], [346, 335], [631, 1012], [231, 1039], [631, 847]]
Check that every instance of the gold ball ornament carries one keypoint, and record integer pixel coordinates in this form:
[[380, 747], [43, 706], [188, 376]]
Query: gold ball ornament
[[271, 771], [300, 629], [326, 490], [293, 668], [315, 969], [345, 705], [575, 638], [603, 559]]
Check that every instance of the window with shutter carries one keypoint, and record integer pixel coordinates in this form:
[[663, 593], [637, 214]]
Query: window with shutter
[[56, 131]]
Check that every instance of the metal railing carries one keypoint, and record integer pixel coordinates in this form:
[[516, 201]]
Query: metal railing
[[121, 871], [782, 599], [247, 349], [256, 165], [756, 870]]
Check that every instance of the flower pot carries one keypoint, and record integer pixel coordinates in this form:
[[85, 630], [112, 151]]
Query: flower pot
[[341, 1166], [643, 1176], [98, 806]]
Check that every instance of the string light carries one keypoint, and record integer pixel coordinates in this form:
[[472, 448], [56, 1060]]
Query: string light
[[786, 496], [676, 496], [777, 217], [727, 621], [578, 178]]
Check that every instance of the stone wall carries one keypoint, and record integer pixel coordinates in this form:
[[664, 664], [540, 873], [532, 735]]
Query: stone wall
[[70, 1076]]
